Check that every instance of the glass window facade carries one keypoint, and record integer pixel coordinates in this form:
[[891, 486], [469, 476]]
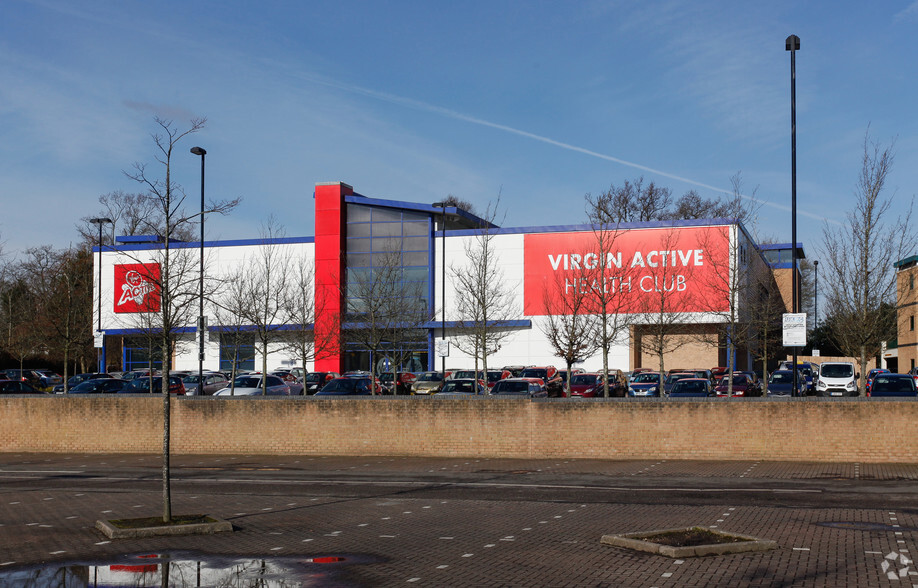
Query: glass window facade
[[239, 347], [388, 271]]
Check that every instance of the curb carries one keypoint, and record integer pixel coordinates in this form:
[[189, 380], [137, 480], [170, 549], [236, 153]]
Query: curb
[[217, 526], [634, 541]]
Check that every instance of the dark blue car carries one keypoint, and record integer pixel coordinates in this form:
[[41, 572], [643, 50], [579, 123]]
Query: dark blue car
[[692, 387], [902, 385], [781, 383], [346, 387]]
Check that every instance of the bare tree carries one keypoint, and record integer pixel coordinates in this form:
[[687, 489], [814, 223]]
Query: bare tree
[[301, 309], [858, 258], [733, 259], [259, 289], [568, 324], [384, 311], [174, 273], [665, 303], [485, 302], [764, 307], [62, 283], [133, 214], [633, 202], [607, 282]]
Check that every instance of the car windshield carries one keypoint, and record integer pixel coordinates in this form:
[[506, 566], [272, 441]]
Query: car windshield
[[430, 377], [781, 377], [584, 380], [646, 378], [884, 383], [676, 377], [509, 387], [315, 377], [689, 386], [191, 379], [346, 384], [535, 373], [737, 379], [837, 370], [247, 382], [495, 376], [459, 386], [464, 375]]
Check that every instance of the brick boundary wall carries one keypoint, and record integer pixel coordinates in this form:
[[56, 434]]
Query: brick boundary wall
[[811, 429]]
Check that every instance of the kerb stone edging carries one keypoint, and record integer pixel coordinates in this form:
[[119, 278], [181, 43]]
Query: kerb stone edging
[[634, 541], [113, 532]]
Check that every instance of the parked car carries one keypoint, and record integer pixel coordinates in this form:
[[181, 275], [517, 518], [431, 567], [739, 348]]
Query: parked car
[[584, 385], [548, 374], [495, 376], [18, 387], [49, 378], [100, 386], [378, 389], [809, 370], [871, 374], [403, 386], [346, 387], [691, 387], [143, 386], [74, 380], [30, 376], [463, 387], [213, 381], [889, 384], [315, 381], [672, 378], [427, 383], [515, 370], [743, 386], [781, 383], [837, 378], [644, 384], [531, 387], [250, 385]]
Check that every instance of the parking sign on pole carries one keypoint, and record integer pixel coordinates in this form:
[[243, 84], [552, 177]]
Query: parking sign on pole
[[794, 324]]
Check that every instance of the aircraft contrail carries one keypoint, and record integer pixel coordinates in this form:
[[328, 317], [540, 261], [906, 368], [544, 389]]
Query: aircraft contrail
[[446, 112]]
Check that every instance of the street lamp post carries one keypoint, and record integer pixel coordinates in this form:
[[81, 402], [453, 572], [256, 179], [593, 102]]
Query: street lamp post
[[816, 295], [202, 153], [100, 222], [792, 44], [443, 205]]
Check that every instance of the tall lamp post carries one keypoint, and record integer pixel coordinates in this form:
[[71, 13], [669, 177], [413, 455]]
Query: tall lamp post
[[100, 222], [792, 44], [443, 205], [202, 153], [816, 295]]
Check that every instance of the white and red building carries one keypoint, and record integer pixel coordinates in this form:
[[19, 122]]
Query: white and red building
[[684, 258]]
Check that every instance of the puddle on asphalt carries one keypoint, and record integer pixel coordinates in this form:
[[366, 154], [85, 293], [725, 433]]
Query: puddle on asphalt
[[187, 570]]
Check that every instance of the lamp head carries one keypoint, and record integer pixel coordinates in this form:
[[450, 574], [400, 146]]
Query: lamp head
[[792, 43], [198, 151], [101, 221]]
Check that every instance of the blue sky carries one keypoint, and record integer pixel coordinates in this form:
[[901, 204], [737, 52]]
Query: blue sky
[[540, 102]]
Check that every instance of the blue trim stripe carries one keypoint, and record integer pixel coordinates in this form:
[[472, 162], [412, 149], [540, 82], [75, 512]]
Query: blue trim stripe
[[197, 244], [589, 227]]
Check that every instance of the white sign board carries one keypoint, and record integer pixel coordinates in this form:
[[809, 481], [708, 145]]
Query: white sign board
[[794, 329], [98, 339], [442, 348]]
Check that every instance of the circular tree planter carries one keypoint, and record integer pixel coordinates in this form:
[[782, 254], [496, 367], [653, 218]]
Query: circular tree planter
[[688, 542]]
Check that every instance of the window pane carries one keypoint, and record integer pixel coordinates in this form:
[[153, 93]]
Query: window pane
[[415, 258], [387, 229], [358, 245], [386, 215], [415, 243], [358, 214], [416, 228], [359, 230]]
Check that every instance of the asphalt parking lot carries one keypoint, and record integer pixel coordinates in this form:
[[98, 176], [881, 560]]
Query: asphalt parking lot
[[392, 521]]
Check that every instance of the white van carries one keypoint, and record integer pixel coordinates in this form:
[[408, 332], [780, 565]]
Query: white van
[[837, 379]]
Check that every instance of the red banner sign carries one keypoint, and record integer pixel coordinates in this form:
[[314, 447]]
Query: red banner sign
[[137, 287], [682, 269]]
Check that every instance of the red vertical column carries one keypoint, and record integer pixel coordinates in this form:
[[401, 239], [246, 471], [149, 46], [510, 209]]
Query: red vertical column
[[329, 267]]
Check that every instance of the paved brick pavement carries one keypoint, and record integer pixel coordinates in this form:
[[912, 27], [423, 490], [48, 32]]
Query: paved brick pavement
[[455, 522]]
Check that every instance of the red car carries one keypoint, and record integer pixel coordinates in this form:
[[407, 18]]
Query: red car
[[586, 385], [548, 374], [743, 386]]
